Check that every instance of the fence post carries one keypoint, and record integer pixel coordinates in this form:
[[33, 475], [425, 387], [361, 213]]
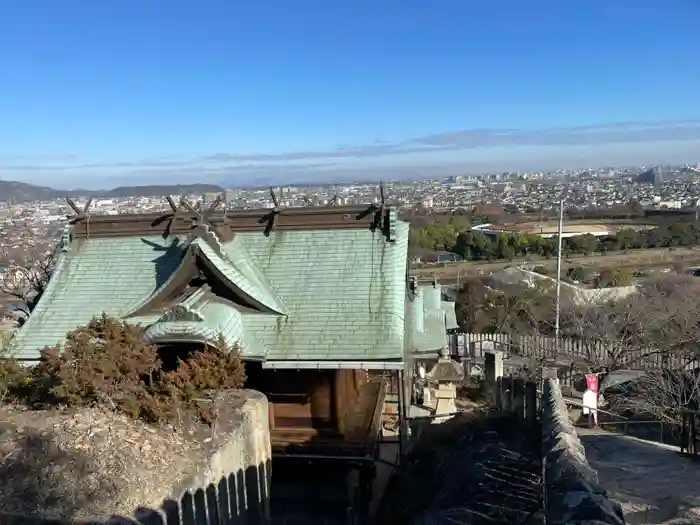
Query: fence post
[[519, 397], [507, 395], [499, 394], [493, 368], [531, 400]]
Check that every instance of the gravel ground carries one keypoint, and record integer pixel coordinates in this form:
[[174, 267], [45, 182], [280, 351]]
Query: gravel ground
[[654, 484]]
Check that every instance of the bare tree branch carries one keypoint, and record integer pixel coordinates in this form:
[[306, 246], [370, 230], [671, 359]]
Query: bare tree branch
[[512, 310], [659, 326], [27, 274], [663, 394]]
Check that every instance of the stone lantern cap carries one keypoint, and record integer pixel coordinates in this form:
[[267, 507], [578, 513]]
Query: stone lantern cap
[[446, 371]]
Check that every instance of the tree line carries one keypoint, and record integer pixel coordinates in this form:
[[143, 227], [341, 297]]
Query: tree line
[[455, 235]]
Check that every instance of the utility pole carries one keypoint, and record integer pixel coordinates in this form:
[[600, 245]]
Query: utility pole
[[558, 302]]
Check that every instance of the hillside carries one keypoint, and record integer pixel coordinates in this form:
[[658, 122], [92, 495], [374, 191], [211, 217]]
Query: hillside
[[21, 192], [159, 190]]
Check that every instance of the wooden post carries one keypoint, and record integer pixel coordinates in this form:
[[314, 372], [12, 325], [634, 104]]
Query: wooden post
[[531, 400], [499, 394], [507, 395], [519, 397]]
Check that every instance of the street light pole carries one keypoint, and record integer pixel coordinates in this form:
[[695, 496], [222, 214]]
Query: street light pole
[[559, 249]]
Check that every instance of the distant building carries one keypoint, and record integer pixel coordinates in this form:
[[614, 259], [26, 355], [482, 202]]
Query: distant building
[[210, 197], [653, 176], [231, 195], [484, 209], [427, 203]]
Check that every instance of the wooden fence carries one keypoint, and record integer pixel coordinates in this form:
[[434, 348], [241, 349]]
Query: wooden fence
[[537, 347]]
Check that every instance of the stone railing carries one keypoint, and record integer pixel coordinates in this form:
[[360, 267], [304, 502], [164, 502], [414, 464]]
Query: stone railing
[[572, 494]]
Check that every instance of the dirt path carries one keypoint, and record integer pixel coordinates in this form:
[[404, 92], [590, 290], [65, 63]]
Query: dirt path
[[632, 259], [652, 482]]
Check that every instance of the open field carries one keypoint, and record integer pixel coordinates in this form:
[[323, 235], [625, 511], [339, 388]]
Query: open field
[[634, 259], [579, 226]]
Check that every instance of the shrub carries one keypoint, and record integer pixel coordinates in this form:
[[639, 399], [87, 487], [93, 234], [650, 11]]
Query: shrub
[[107, 363], [614, 277], [12, 378], [12, 374], [578, 273]]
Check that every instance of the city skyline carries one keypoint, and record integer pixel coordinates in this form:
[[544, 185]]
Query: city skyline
[[243, 94]]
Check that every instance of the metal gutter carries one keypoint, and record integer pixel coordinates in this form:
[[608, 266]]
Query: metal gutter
[[333, 365]]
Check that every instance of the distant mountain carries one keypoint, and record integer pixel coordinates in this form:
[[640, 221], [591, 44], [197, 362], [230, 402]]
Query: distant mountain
[[22, 192], [158, 190]]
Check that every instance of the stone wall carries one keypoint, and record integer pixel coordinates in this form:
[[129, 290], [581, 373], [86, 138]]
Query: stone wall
[[233, 485], [572, 494], [580, 294], [218, 474]]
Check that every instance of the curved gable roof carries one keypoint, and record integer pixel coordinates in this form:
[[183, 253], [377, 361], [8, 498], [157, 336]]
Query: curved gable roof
[[204, 318], [233, 267], [236, 268]]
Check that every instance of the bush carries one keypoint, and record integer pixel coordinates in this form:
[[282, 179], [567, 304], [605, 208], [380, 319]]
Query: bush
[[610, 278], [107, 363], [578, 273], [12, 377]]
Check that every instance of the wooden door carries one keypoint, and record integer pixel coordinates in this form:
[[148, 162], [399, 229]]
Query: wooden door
[[300, 399]]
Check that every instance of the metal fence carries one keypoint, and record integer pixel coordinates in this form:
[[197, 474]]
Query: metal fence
[[683, 435]]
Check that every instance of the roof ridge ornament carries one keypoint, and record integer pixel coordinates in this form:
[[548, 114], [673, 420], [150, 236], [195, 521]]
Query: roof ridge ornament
[[379, 212], [175, 212], [180, 312], [381, 220], [269, 218], [185, 209], [208, 235], [78, 214], [201, 216]]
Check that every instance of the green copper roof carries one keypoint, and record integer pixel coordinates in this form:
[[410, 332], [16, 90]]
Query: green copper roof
[[345, 290], [433, 335], [108, 275], [450, 315], [233, 264], [233, 267], [203, 318], [323, 294]]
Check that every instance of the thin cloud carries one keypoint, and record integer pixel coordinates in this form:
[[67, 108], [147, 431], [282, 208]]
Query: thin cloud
[[573, 136], [374, 156]]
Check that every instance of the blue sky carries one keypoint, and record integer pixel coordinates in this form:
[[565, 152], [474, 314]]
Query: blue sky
[[102, 93]]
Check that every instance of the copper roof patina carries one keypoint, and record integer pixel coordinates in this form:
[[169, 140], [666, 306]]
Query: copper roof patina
[[307, 284]]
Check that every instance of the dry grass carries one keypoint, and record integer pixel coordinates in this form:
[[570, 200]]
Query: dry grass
[[634, 259], [92, 462]]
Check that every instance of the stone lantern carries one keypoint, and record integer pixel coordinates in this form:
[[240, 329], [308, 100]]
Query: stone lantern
[[445, 375]]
